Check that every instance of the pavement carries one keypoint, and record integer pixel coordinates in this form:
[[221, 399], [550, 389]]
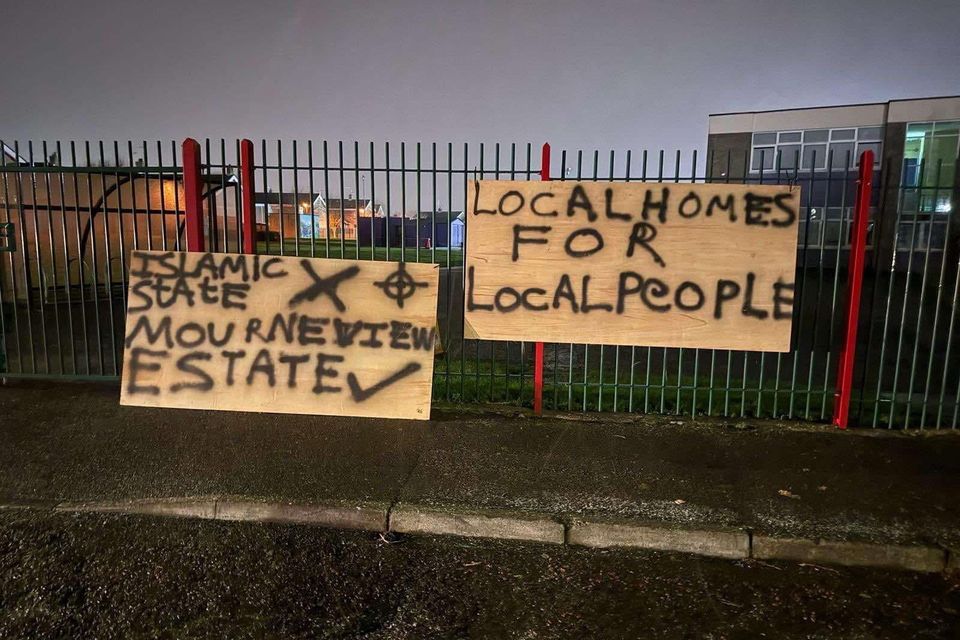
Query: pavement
[[94, 575], [728, 488]]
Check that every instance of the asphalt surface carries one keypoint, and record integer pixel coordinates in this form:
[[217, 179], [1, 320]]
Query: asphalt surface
[[112, 576], [64, 442]]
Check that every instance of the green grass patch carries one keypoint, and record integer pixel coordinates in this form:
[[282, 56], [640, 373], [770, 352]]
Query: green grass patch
[[472, 381]]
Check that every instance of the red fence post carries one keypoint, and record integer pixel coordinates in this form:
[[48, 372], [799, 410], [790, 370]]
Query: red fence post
[[858, 247], [538, 346], [192, 194], [247, 188]]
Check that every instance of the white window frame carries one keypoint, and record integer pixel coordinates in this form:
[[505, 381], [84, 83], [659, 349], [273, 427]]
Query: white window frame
[[774, 147], [933, 133]]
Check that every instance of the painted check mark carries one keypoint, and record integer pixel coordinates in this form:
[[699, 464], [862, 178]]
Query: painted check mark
[[360, 394]]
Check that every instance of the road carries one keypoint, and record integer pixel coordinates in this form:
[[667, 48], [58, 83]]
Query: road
[[94, 575]]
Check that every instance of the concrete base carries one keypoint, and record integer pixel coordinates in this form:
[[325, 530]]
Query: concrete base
[[717, 543], [411, 519], [179, 507], [363, 517], [407, 518], [913, 558]]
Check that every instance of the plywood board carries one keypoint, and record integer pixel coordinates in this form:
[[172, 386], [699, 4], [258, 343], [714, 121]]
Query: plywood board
[[280, 334], [649, 264]]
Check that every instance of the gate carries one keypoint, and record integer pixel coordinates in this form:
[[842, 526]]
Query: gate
[[68, 223]]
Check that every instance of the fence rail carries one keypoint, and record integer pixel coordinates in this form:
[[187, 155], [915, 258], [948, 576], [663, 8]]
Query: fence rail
[[73, 218]]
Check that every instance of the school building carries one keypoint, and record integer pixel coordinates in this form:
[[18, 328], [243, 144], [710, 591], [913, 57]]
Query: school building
[[915, 142]]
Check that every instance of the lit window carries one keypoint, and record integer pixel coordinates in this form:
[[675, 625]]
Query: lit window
[[946, 128], [930, 166]]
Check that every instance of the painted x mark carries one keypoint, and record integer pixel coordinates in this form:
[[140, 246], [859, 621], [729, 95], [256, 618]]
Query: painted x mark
[[326, 286]]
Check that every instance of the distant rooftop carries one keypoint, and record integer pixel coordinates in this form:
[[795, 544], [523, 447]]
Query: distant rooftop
[[272, 197]]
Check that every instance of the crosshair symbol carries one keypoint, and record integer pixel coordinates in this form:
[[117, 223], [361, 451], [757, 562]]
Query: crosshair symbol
[[399, 285]]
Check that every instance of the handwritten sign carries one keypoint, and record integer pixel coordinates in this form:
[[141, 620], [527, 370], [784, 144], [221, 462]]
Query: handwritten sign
[[673, 265], [280, 334]]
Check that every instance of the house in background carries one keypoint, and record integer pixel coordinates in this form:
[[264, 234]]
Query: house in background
[[279, 214], [342, 216], [293, 216], [916, 142]]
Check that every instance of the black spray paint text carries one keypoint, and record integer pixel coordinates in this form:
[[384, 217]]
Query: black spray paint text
[[292, 348], [632, 236]]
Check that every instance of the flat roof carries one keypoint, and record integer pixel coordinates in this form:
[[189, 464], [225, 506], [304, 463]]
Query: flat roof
[[835, 106], [865, 114]]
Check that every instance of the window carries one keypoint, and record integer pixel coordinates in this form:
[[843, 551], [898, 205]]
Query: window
[[930, 166], [789, 156], [814, 155], [869, 138], [816, 149], [762, 158], [842, 155], [871, 146]]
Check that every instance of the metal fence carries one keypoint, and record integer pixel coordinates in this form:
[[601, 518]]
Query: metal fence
[[74, 212]]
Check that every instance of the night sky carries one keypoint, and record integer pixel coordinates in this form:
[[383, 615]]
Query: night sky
[[585, 74]]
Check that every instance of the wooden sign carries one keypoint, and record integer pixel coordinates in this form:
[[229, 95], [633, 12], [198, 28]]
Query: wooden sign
[[280, 334], [652, 264]]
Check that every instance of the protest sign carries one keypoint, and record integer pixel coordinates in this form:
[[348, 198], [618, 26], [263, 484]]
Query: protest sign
[[280, 334], [673, 265]]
